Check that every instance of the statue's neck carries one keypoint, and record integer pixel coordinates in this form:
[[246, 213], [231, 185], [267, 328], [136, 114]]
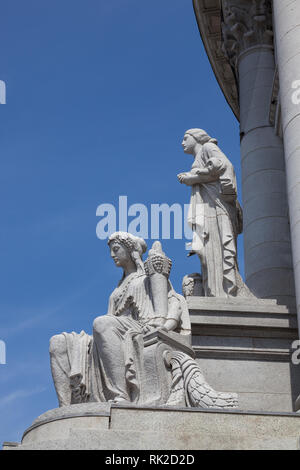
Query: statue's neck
[[129, 271]]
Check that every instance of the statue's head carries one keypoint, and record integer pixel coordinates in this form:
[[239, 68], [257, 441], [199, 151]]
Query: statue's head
[[193, 138], [125, 248]]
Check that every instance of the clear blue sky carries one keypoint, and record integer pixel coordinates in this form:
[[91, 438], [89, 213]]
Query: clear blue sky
[[99, 94]]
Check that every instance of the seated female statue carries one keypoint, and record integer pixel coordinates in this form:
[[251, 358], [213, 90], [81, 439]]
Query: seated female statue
[[108, 365]]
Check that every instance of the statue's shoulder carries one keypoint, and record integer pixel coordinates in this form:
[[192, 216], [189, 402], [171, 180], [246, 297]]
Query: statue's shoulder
[[211, 150], [210, 146]]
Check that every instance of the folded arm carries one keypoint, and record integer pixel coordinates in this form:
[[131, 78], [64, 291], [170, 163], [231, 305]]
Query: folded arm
[[190, 179]]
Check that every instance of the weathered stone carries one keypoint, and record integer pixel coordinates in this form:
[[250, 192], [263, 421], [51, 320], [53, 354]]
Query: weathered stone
[[214, 216], [139, 350], [248, 44], [149, 428]]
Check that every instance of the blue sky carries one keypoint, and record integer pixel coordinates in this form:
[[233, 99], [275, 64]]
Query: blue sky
[[99, 94]]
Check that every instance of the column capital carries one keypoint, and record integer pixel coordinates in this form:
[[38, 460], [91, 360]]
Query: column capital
[[245, 24]]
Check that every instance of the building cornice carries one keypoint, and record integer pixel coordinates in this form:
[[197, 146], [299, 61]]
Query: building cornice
[[209, 17], [230, 29]]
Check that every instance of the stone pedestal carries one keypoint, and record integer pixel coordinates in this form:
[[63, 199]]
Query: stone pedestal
[[245, 345], [240, 344], [116, 427], [157, 377]]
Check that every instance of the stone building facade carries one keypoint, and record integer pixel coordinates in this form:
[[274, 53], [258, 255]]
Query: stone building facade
[[254, 50], [240, 344]]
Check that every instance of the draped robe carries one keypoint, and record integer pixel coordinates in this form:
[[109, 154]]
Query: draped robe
[[215, 218], [109, 364]]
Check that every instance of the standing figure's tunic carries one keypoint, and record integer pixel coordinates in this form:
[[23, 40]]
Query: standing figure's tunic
[[215, 218]]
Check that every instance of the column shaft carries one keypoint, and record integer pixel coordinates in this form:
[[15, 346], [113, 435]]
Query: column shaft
[[287, 35], [267, 247]]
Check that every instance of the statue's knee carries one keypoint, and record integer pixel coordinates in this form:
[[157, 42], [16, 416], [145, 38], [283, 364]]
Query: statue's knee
[[102, 324], [58, 344]]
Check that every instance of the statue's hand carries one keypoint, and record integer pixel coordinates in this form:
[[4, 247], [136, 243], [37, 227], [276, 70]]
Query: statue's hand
[[146, 329], [187, 178], [182, 176], [163, 328]]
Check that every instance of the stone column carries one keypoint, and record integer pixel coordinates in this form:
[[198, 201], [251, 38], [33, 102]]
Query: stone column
[[248, 43], [287, 39]]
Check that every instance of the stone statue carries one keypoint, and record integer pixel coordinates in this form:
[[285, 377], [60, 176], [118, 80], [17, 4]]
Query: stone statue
[[139, 347], [215, 215]]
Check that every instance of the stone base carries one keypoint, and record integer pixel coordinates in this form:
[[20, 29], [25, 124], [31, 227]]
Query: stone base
[[245, 345], [237, 304], [103, 426]]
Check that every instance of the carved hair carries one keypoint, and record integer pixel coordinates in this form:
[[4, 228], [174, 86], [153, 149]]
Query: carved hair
[[136, 246], [201, 136]]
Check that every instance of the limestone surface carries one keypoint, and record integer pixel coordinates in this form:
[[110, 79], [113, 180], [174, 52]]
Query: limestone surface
[[131, 356], [214, 216]]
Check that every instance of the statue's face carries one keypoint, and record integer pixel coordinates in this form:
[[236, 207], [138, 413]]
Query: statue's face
[[188, 144], [119, 254]]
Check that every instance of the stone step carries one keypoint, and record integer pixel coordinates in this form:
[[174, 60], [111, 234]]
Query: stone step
[[141, 428]]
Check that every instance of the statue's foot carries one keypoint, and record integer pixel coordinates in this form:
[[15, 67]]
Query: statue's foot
[[121, 400]]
